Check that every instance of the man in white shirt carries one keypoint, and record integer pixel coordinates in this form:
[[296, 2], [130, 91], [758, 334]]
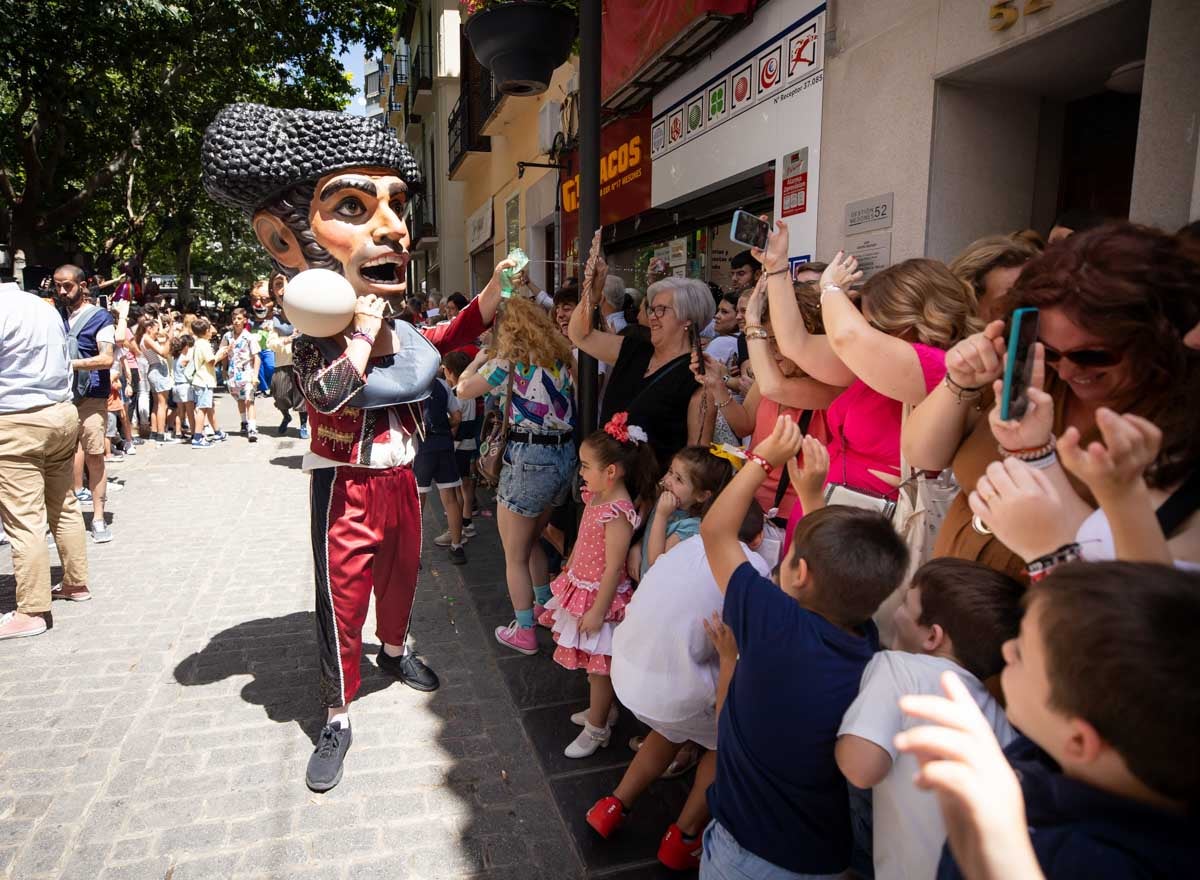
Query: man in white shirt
[[955, 617], [39, 429]]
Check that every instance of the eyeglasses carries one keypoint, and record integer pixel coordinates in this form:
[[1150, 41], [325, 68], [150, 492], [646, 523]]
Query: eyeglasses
[[659, 311], [1084, 357]]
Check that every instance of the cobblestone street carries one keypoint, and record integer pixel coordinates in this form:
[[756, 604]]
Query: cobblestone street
[[162, 729]]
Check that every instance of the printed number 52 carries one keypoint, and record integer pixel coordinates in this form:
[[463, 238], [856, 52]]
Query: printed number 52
[[1003, 14]]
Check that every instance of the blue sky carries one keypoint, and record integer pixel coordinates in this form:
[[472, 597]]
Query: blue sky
[[352, 62]]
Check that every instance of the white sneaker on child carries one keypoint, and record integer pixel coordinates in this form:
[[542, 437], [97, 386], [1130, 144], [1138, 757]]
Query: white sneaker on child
[[589, 740]]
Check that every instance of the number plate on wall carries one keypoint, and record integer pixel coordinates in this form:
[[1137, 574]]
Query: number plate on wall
[[867, 214]]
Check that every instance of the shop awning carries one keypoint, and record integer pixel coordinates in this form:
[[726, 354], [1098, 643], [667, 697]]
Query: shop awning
[[647, 43]]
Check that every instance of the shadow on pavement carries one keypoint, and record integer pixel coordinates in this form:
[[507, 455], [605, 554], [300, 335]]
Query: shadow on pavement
[[288, 461], [281, 654]]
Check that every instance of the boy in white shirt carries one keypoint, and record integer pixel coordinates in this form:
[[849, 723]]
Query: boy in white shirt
[[955, 616]]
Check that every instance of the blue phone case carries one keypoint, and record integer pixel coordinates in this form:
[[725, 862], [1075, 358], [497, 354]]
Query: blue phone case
[[1014, 335]]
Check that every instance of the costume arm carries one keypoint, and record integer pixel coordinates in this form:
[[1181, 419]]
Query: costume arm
[[326, 386], [463, 330]]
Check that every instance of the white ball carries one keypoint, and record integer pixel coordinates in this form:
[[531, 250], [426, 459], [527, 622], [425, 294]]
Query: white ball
[[319, 302]]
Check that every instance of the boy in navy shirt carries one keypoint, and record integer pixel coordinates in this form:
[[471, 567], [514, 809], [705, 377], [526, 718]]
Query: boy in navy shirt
[[779, 803], [1102, 682]]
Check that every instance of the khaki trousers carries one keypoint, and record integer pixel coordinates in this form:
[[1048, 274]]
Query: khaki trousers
[[37, 451]]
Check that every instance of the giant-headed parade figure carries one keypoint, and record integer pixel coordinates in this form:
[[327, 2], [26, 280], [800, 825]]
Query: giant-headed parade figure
[[332, 191]]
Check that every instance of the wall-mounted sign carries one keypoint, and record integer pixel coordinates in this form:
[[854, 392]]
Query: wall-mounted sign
[[512, 221], [864, 215], [479, 227], [624, 178], [795, 183], [678, 252], [873, 250], [758, 93]]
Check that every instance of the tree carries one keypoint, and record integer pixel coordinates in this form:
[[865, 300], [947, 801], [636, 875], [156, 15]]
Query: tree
[[105, 104]]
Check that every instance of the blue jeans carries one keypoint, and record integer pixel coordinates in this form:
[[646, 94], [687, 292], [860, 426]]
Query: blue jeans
[[535, 478], [724, 859]]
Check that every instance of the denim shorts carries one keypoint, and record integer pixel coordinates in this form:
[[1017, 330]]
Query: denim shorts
[[183, 393], [203, 397], [725, 859], [535, 478]]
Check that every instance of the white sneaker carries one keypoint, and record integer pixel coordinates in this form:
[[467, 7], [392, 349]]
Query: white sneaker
[[443, 540], [469, 530], [580, 717], [589, 740]]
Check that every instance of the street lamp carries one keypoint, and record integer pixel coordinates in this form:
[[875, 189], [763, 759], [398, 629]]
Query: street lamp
[[589, 181]]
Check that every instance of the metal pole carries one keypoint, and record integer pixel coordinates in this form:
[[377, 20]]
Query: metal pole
[[589, 183]]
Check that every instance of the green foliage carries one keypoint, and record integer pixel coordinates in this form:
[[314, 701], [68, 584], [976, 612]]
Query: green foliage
[[104, 105]]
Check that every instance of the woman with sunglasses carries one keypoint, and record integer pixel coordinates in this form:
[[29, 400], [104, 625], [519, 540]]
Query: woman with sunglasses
[[1114, 305], [651, 380]]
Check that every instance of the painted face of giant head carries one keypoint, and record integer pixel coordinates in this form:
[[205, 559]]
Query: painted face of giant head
[[330, 191]]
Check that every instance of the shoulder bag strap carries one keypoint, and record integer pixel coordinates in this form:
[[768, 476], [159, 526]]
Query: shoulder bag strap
[[1181, 504], [785, 478]]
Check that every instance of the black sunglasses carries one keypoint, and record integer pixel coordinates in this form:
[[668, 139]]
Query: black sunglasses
[[1084, 357]]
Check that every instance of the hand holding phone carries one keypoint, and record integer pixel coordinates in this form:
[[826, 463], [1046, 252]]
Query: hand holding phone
[[697, 349], [1018, 365], [749, 230]]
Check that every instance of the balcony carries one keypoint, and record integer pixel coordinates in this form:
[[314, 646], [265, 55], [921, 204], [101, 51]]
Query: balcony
[[420, 81], [395, 103], [422, 225], [468, 144], [493, 104]]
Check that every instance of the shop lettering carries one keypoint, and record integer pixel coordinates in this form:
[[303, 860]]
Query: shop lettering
[[1003, 14], [618, 166]]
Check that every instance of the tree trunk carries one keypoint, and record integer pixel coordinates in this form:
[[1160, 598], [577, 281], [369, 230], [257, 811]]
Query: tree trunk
[[183, 268]]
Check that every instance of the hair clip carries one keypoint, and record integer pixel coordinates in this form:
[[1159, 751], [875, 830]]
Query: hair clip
[[732, 454]]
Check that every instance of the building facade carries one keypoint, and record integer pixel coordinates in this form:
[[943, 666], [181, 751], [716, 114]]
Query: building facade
[[890, 128]]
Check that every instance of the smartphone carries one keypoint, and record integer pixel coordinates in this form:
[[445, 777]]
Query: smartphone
[[749, 230], [102, 301], [694, 333], [1018, 366]]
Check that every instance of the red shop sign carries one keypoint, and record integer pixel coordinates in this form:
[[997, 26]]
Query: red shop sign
[[624, 176]]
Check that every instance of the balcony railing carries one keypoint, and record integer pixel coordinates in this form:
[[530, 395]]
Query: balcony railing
[[474, 104], [394, 106], [423, 221], [420, 74]]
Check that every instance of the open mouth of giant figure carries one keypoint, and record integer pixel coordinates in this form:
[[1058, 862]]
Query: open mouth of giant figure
[[386, 271]]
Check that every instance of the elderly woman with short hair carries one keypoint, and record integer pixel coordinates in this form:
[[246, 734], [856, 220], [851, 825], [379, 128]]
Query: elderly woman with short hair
[[651, 380]]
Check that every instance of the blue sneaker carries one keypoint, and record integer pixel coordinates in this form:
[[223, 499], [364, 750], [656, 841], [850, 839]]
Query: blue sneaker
[[199, 442], [304, 433], [219, 437]]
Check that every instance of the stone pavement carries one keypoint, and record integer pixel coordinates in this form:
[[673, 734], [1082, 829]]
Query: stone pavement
[[162, 729]]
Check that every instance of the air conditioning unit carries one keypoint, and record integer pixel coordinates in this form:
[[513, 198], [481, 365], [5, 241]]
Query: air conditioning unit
[[549, 125]]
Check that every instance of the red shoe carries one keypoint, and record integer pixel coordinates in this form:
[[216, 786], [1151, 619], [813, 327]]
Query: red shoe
[[676, 853], [607, 815]]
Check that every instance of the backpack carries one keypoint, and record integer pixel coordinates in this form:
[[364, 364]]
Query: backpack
[[83, 378]]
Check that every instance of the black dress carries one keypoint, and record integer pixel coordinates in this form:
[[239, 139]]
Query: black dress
[[657, 403]]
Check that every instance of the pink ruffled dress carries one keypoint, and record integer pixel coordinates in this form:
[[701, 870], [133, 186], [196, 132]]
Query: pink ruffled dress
[[575, 592]]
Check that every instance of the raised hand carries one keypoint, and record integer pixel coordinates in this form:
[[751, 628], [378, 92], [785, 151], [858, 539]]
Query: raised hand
[[775, 255], [368, 314], [1112, 469], [784, 442], [757, 302], [979, 359], [1034, 428], [842, 272], [809, 477], [1022, 508]]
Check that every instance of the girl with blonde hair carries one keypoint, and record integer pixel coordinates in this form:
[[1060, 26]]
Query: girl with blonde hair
[[889, 352], [530, 367]]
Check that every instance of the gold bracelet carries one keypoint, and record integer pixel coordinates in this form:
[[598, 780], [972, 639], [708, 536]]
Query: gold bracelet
[[756, 333]]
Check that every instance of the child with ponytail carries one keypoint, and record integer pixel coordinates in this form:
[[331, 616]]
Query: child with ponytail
[[619, 473]]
